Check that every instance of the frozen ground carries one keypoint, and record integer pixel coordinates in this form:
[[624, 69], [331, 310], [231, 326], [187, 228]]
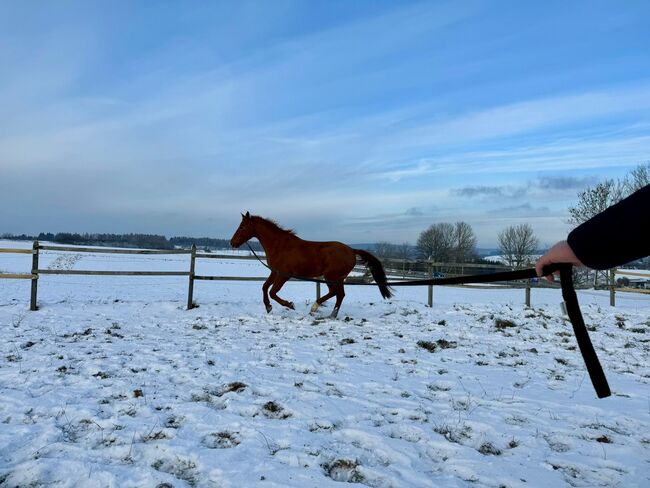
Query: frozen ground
[[113, 383]]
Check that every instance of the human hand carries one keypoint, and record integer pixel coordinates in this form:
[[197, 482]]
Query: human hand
[[559, 253]]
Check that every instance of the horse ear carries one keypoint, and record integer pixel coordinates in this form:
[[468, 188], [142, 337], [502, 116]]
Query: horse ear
[[248, 215]]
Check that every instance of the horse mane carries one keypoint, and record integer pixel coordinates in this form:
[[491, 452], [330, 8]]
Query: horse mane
[[273, 224]]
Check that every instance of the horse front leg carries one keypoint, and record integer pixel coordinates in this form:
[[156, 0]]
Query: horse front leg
[[265, 291], [277, 284]]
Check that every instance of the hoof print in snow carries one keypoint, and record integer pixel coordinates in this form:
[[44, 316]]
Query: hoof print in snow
[[173, 422], [428, 345], [440, 343], [347, 340], [274, 411], [343, 470], [157, 435], [234, 387], [222, 440], [445, 344], [183, 469], [503, 324]]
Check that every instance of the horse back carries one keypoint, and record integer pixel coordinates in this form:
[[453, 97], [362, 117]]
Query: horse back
[[331, 259]]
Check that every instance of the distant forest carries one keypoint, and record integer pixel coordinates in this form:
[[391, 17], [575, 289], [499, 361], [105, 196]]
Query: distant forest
[[147, 241]]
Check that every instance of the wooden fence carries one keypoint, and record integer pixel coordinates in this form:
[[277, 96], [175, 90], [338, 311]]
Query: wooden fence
[[36, 272]]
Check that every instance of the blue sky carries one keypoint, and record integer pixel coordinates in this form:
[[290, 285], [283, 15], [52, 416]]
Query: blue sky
[[357, 121]]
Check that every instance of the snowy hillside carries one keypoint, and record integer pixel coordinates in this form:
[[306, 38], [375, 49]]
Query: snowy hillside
[[113, 383]]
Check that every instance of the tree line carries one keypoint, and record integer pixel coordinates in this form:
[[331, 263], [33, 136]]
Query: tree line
[[146, 241], [150, 241]]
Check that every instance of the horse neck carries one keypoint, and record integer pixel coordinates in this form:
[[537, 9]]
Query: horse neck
[[271, 237]]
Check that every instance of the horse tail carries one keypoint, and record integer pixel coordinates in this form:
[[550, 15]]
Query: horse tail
[[377, 271]]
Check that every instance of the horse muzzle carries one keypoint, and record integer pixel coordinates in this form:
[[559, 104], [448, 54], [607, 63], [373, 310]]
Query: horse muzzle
[[236, 241]]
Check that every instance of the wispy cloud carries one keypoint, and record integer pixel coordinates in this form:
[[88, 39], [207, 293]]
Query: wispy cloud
[[395, 175], [564, 182], [539, 187], [530, 115], [473, 191]]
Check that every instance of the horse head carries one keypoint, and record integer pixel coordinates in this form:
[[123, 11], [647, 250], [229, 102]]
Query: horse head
[[244, 232]]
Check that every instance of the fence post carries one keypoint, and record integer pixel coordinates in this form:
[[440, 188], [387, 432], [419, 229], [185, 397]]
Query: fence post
[[430, 288], [190, 292], [32, 302], [317, 290], [612, 290], [528, 293]]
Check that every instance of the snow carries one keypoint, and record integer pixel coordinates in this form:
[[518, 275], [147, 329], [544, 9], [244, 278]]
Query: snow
[[113, 383]]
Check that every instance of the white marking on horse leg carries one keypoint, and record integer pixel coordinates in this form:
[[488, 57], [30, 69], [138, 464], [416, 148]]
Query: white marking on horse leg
[[314, 307], [335, 312]]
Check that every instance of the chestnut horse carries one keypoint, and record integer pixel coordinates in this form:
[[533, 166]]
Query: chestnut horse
[[290, 256]]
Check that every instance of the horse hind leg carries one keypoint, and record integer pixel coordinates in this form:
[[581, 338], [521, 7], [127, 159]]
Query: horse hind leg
[[323, 299], [340, 294]]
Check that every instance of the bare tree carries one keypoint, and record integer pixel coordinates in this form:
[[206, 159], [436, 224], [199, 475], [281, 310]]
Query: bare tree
[[517, 244], [638, 178], [596, 199], [395, 251], [464, 242], [384, 249], [437, 242], [404, 250], [599, 197]]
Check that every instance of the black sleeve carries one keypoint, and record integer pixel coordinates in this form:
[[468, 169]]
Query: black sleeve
[[616, 236]]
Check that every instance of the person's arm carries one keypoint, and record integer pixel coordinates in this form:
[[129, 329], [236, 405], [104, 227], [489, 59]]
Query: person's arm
[[616, 236]]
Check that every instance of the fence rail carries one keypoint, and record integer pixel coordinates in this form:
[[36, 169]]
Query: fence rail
[[17, 276], [109, 250], [631, 273], [36, 272], [111, 273], [16, 251]]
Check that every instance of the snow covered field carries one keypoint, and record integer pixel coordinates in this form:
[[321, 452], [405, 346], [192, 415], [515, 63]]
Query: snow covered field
[[113, 383]]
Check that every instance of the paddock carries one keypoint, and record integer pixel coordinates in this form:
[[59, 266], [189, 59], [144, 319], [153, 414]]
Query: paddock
[[114, 382]]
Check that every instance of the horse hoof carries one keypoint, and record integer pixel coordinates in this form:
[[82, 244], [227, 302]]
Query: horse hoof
[[291, 306], [314, 308], [269, 308], [335, 312]]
